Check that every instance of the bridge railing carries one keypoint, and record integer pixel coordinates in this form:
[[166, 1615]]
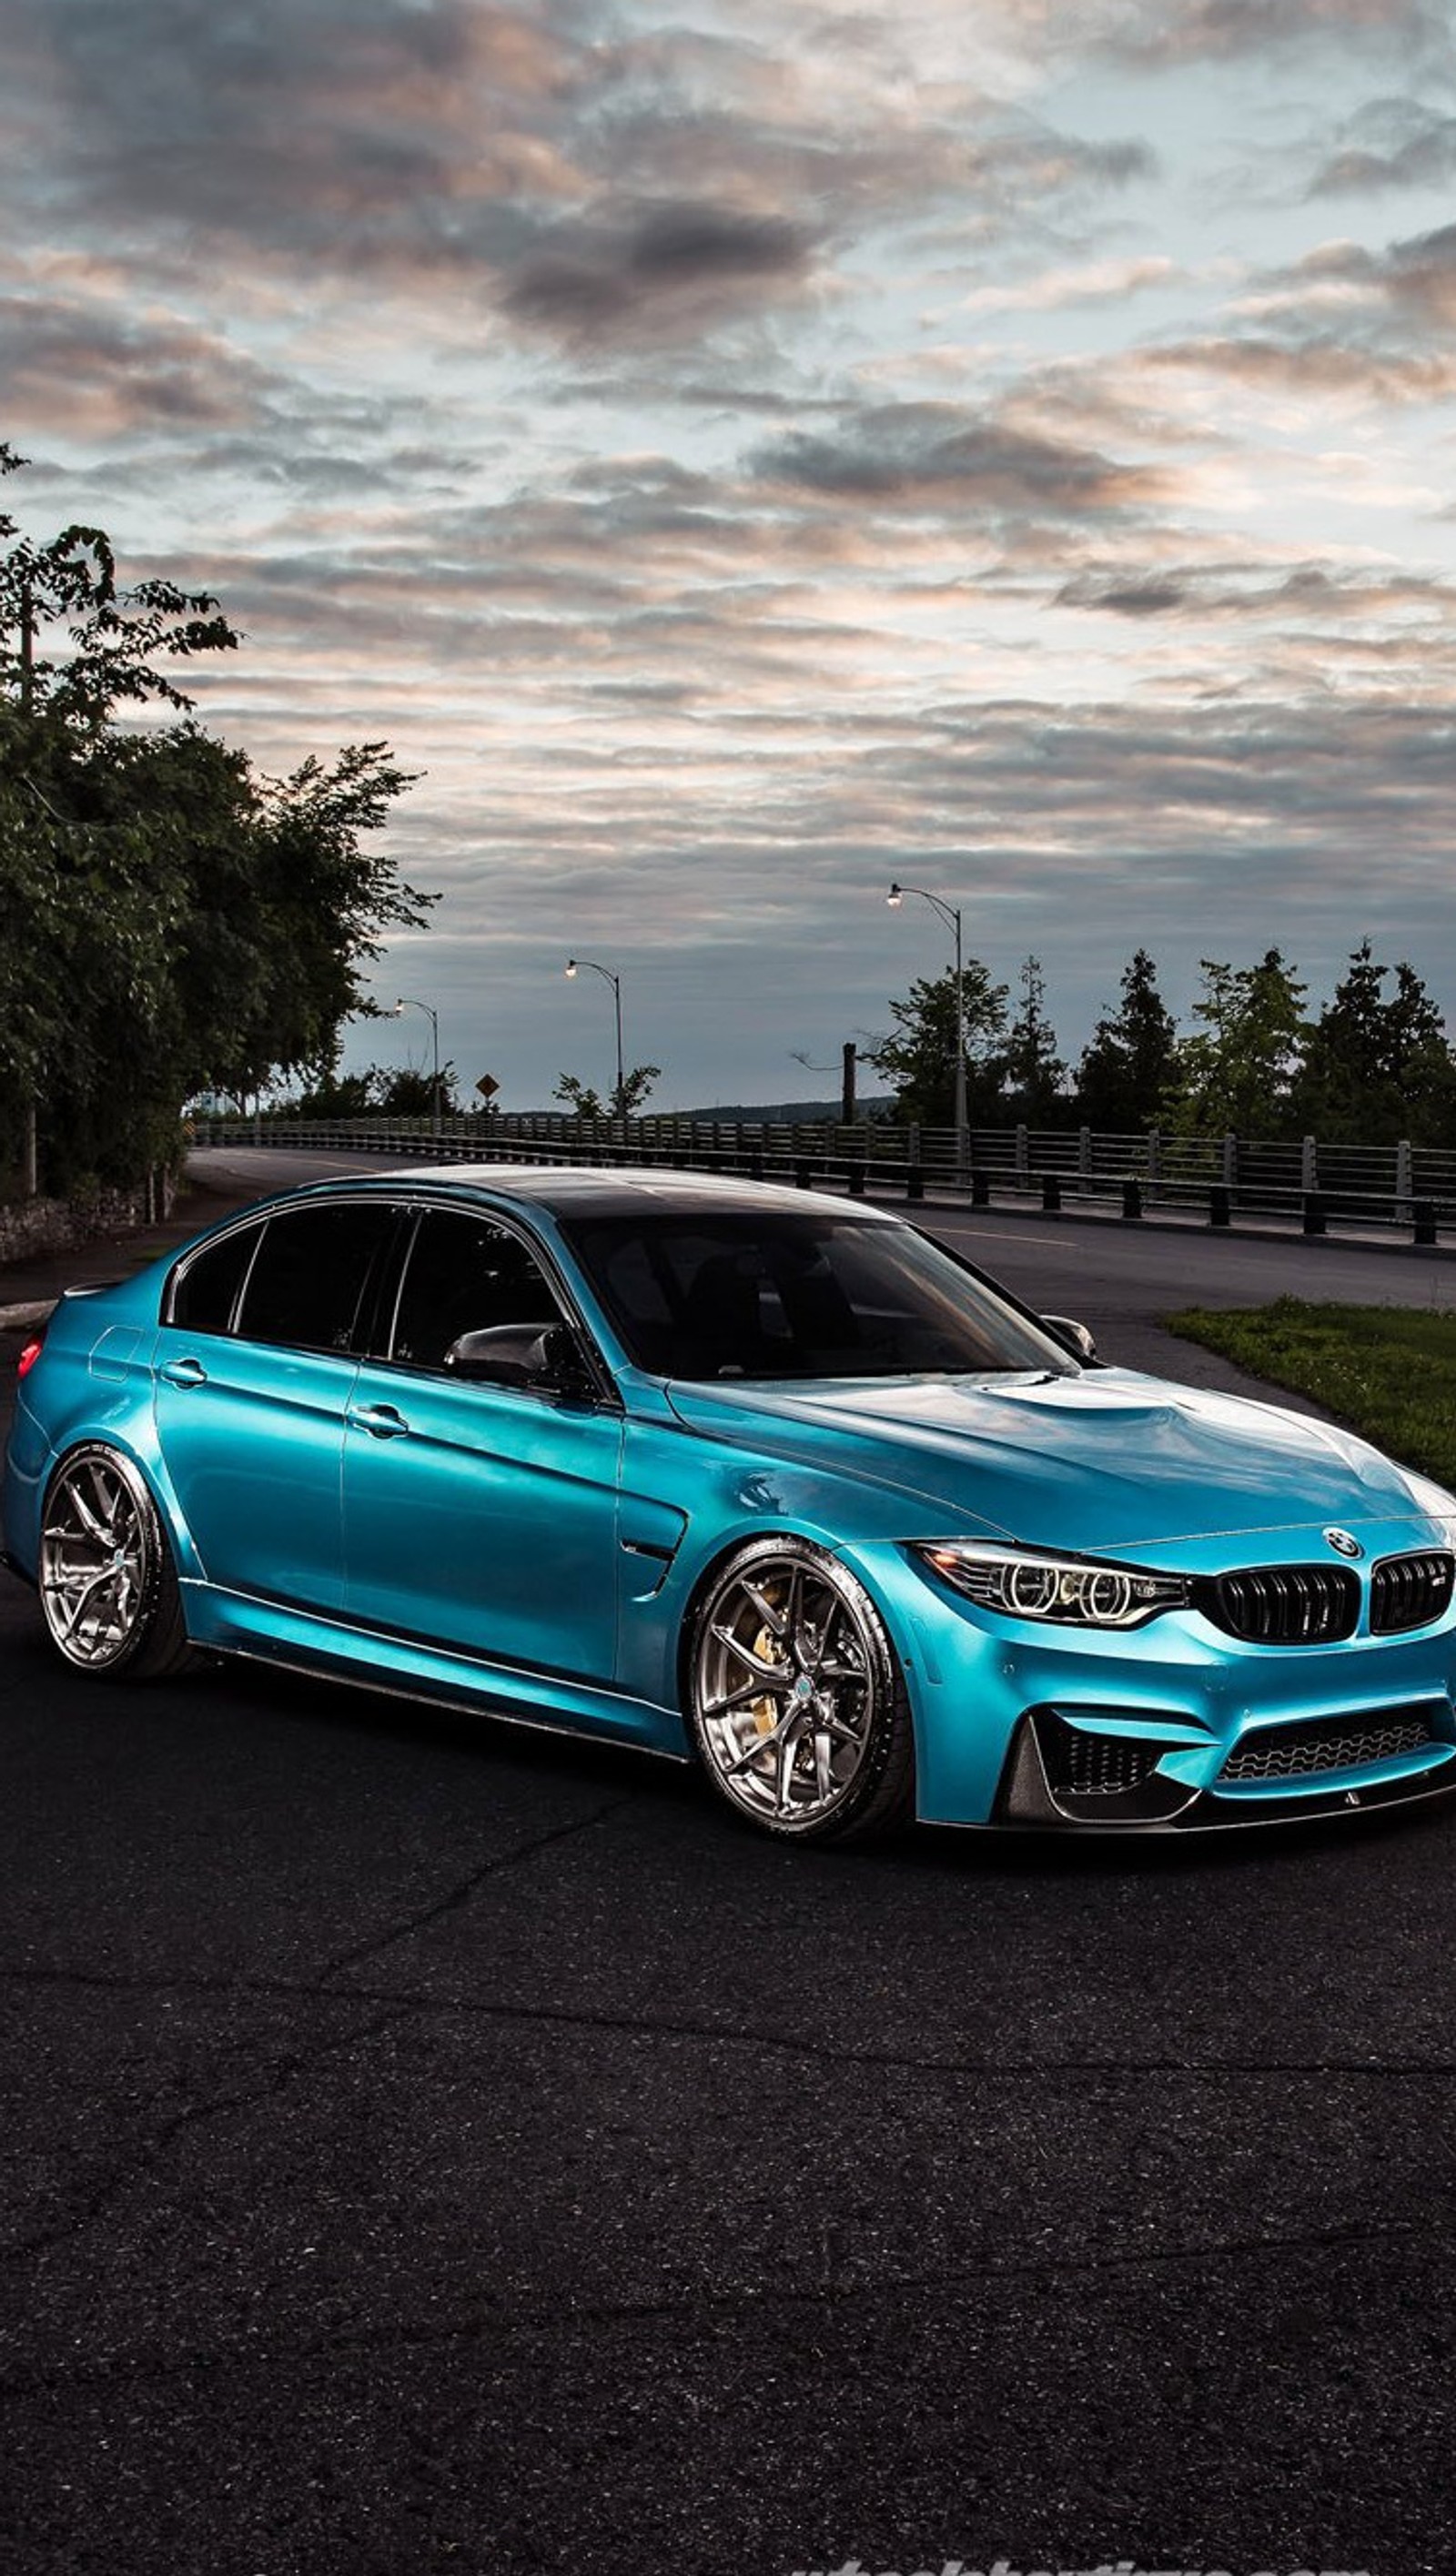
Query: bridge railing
[[1319, 1187]]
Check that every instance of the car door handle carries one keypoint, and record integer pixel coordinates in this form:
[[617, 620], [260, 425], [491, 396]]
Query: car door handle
[[183, 1372], [379, 1420]]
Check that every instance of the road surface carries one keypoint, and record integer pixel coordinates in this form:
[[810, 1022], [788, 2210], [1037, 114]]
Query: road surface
[[431, 2146]]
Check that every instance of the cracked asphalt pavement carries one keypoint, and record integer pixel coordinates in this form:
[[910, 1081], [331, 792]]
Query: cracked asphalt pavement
[[427, 2145]]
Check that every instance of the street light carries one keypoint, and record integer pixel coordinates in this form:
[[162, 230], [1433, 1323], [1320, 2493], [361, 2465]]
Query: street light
[[605, 972], [950, 915], [406, 1002]]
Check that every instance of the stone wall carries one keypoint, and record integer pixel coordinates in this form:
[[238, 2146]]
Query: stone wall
[[33, 1227]]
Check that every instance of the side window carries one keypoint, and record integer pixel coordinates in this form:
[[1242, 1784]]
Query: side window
[[465, 1275], [307, 1285], [204, 1295]]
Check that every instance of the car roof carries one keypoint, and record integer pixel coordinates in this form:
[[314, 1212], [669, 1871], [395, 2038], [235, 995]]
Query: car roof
[[575, 1189]]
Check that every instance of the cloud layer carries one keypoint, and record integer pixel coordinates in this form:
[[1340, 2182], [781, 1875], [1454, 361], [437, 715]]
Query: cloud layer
[[742, 454]]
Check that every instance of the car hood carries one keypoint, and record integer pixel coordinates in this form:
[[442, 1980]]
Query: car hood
[[1104, 1461]]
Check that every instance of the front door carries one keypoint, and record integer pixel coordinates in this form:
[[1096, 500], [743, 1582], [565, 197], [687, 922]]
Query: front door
[[479, 1517]]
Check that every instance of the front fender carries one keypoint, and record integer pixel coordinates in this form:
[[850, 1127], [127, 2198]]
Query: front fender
[[722, 1497]]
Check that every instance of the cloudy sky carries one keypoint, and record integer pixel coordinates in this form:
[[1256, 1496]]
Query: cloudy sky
[[744, 450]]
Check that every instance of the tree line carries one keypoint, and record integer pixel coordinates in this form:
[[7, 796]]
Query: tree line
[[1371, 1066], [175, 922]]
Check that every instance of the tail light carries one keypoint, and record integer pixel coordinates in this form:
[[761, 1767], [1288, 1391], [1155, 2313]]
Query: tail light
[[30, 1354]]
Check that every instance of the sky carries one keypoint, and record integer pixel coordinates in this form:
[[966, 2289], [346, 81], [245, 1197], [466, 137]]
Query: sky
[[739, 452]]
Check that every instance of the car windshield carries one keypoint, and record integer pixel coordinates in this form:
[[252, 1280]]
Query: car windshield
[[770, 1295]]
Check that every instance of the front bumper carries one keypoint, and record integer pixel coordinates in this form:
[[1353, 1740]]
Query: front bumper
[[1173, 1726], [1066, 1769]]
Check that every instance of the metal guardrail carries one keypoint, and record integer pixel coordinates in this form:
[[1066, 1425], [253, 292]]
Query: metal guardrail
[[1220, 1181]]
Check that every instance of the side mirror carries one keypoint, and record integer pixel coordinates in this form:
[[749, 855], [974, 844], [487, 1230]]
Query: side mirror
[[544, 1356], [1075, 1336]]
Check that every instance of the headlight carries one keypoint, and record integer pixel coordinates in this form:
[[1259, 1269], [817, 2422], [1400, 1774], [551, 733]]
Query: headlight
[[1075, 1590], [1430, 1497]]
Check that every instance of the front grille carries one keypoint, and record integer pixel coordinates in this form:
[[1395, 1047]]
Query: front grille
[[1096, 1766], [1293, 1752], [1410, 1591], [1284, 1605]]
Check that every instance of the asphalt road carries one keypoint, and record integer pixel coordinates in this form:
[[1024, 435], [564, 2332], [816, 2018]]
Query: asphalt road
[[431, 2146]]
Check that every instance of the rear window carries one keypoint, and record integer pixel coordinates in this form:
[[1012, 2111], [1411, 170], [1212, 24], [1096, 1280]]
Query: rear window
[[310, 1275], [205, 1293]]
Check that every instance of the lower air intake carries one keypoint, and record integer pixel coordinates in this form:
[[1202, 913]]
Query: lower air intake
[[1096, 1766], [1295, 1752]]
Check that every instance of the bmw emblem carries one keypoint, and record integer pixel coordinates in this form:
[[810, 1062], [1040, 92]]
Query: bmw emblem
[[1343, 1543]]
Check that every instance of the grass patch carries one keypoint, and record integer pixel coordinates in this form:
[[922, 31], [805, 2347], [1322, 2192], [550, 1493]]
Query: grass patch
[[1388, 1372]]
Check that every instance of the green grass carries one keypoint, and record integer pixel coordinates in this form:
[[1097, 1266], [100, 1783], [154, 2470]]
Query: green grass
[[1389, 1372]]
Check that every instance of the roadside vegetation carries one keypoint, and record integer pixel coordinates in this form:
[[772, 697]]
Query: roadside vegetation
[[1387, 1372], [175, 922], [1370, 1066]]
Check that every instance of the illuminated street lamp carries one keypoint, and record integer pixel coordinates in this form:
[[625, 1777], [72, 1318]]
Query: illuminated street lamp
[[406, 1002], [605, 972], [950, 915]]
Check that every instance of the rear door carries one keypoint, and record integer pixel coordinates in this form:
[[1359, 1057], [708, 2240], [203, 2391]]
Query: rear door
[[255, 1368]]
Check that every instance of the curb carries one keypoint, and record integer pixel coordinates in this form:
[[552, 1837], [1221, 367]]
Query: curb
[[18, 1319]]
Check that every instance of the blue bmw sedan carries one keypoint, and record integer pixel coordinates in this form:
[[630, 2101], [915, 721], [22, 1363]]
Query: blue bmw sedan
[[736, 1474]]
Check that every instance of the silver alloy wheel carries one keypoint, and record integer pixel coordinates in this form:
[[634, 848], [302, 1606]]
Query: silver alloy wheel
[[98, 1559], [789, 1677]]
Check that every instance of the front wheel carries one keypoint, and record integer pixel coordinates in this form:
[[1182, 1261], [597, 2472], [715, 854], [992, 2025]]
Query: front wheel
[[796, 1702], [108, 1587]]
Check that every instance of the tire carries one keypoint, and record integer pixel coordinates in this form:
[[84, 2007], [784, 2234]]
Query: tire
[[108, 1587], [796, 1702]]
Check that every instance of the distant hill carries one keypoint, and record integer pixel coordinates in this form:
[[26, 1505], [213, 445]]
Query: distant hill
[[753, 1113], [784, 1113]]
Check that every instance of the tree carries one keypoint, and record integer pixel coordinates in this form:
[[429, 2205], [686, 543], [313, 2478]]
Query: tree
[[406, 1093], [115, 639], [622, 1101], [1127, 1067], [919, 1060], [1237, 1073], [188, 925], [1377, 1068], [1035, 1076]]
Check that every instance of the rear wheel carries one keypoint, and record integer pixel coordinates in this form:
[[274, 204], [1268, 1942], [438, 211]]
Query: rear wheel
[[796, 1702], [108, 1587]]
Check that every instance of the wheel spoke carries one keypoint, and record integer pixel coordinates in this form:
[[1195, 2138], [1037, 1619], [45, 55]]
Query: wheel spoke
[[772, 1619], [767, 1674], [72, 1605], [755, 1751], [767, 1686], [110, 1496], [99, 1530], [833, 1724]]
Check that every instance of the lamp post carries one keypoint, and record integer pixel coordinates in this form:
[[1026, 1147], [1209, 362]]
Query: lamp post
[[950, 915], [406, 1002], [605, 972]]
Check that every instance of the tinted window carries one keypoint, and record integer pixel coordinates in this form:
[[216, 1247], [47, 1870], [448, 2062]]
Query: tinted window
[[306, 1287], [789, 1296], [205, 1294], [465, 1275]]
